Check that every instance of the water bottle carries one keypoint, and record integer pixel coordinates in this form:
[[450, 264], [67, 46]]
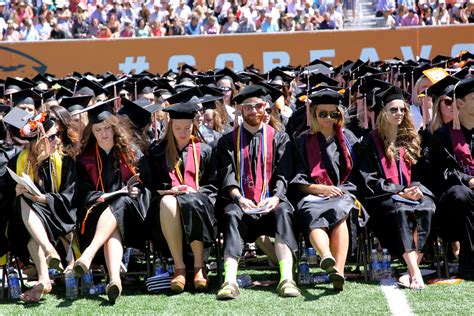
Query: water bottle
[[98, 289], [376, 265], [303, 270], [87, 282], [159, 267], [312, 258], [71, 285], [170, 266], [386, 266], [13, 284], [319, 278], [126, 257], [244, 281]]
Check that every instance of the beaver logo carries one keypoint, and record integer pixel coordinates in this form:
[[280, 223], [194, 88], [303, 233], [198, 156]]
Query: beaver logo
[[24, 64]]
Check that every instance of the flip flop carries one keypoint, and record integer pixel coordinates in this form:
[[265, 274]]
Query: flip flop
[[404, 281], [417, 283], [34, 295], [288, 288], [229, 291]]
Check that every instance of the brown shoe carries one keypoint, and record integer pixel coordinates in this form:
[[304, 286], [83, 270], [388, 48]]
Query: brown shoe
[[179, 280], [200, 278], [113, 291], [53, 260], [83, 264]]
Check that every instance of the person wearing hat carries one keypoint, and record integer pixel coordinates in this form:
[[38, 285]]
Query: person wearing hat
[[323, 164], [27, 100], [106, 165], [227, 85], [182, 163], [400, 207], [39, 220], [253, 171], [451, 148]]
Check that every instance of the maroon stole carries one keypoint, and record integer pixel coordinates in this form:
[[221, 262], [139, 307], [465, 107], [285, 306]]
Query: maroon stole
[[461, 151], [89, 160], [392, 173], [259, 189], [190, 168], [316, 163]]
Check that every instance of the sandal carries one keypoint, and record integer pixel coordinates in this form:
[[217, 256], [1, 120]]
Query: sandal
[[337, 281], [34, 295], [288, 288], [54, 260], [113, 291], [200, 278], [229, 291], [328, 263], [179, 280], [417, 283], [404, 281], [83, 264]]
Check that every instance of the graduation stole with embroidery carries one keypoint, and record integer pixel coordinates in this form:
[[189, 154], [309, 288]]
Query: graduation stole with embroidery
[[461, 151], [316, 164], [258, 189], [400, 174], [191, 167], [23, 165]]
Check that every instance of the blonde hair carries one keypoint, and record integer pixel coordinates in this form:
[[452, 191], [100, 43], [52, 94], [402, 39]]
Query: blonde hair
[[171, 150], [437, 120], [314, 125], [407, 137]]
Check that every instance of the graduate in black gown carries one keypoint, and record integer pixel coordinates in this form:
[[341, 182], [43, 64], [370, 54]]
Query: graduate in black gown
[[183, 163], [451, 149], [40, 220], [400, 207], [254, 167], [323, 165], [108, 161]]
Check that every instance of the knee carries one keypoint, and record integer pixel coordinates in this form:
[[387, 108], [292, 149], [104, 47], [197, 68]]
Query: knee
[[283, 210], [168, 204], [459, 195]]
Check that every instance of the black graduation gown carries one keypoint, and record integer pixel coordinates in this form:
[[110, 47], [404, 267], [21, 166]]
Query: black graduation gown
[[210, 136], [58, 215], [326, 213], [455, 216], [197, 209], [392, 222], [130, 213], [233, 222]]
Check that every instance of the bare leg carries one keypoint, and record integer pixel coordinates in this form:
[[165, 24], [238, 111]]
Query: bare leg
[[35, 227], [113, 253], [340, 244], [170, 218], [66, 241], [411, 259], [265, 244], [37, 254], [197, 248], [106, 226], [320, 241]]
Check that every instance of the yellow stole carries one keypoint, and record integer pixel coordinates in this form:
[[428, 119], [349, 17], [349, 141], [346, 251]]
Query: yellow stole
[[23, 166]]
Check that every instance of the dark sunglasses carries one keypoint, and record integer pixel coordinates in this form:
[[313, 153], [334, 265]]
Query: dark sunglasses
[[225, 89], [268, 111], [395, 110], [257, 105], [332, 114], [447, 102], [53, 137]]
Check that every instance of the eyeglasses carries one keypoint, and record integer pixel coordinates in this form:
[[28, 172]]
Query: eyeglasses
[[53, 137], [447, 102], [395, 110], [268, 111], [225, 89], [332, 114], [256, 105]]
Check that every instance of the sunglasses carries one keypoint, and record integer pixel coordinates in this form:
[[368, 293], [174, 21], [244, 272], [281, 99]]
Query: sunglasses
[[225, 89], [53, 137], [395, 110], [447, 102], [268, 111], [332, 114], [257, 105]]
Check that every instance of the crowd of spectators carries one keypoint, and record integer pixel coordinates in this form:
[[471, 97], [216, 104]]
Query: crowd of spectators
[[31, 20]]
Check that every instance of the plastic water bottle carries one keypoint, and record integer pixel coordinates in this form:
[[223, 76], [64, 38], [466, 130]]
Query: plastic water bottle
[[98, 289], [376, 266], [13, 284], [244, 281], [319, 278], [386, 266], [312, 258], [87, 282], [303, 270], [159, 267], [71, 285], [170, 265]]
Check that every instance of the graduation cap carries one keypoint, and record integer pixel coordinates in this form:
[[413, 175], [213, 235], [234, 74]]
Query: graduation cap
[[185, 79], [185, 95], [2, 90], [49, 96], [386, 96], [319, 68], [326, 96], [187, 68], [461, 74], [251, 68], [39, 78], [318, 78], [164, 91], [317, 61], [251, 92], [210, 96], [250, 76], [63, 92], [439, 59], [464, 87], [183, 111], [17, 118], [208, 79], [31, 129], [4, 108], [273, 91], [278, 75], [69, 83], [145, 86], [229, 74], [87, 87], [139, 111], [25, 97], [15, 84], [72, 104], [170, 74], [99, 112], [443, 87]]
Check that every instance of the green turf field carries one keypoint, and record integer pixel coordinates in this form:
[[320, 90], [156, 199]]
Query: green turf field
[[358, 298]]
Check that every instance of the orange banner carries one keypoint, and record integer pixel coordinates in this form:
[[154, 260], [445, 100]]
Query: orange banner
[[265, 51]]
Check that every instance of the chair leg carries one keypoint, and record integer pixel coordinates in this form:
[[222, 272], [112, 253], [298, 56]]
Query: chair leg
[[219, 260], [437, 255], [446, 263]]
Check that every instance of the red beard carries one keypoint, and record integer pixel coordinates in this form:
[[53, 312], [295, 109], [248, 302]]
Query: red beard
[[253, 120]]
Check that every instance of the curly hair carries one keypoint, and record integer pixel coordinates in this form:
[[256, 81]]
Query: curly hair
[[69, 145], [407, 136], [37, 154], [123, 140]]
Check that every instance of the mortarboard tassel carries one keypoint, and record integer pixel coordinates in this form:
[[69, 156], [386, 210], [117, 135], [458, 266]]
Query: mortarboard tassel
[[413, 92], [456, 122]]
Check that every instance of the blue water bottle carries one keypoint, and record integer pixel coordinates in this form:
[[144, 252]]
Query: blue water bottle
[[13, 284]]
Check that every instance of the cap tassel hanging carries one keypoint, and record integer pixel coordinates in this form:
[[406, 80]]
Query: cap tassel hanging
[[413, 92], [456, 122], [424, 110]]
